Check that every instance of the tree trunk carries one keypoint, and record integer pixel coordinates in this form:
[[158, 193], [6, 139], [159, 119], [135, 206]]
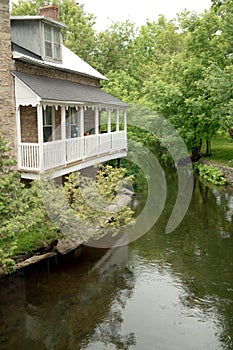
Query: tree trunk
[[196, 152], [208, 148]]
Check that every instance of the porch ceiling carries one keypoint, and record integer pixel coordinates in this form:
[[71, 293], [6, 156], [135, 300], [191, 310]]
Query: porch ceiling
[[49, 89]]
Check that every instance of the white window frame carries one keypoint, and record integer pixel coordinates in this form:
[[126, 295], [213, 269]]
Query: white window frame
[[53, 43]]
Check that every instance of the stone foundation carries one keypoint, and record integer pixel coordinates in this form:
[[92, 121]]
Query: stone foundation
[[7, 105]]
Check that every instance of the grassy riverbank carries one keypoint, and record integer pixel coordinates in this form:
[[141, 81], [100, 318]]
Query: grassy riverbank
[[222, 151], [221, 158]]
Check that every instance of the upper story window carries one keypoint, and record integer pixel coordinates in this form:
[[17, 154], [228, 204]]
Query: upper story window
[[52, 41]]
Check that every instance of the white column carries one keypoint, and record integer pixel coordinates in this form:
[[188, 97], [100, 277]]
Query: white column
[[81, 133], [117, 120], [63, 123], [81, 126], [125, 120], [40, 136], [63, 134], [109, 120], [96, 120], [18, 126]]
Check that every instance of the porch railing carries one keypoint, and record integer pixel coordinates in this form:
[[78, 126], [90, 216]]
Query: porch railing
[[60, 153]]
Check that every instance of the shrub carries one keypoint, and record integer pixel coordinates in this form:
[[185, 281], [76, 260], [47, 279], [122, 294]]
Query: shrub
[[211, 174]]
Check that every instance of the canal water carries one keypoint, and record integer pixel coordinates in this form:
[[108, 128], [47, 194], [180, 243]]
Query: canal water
[[162, 292]]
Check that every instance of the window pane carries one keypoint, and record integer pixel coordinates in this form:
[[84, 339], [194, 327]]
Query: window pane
[[47, 116], [48, 49], [57, 52], [56, 36], [48, 33], [47, 133]]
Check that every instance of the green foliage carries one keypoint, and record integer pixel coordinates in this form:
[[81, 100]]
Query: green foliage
[[21, 212], [114, 48], [9, 206], [182, 69], [85, 209], [211, 174], [122, 85], [81, 208]]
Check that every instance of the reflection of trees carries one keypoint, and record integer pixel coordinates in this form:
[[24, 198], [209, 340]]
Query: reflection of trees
[[63, 310], [200, 252], [109, 333]]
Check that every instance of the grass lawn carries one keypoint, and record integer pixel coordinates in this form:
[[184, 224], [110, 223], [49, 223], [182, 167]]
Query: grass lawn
[[33, 240], [222, 150]]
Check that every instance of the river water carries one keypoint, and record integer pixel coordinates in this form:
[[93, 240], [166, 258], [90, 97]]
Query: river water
[[162, 292]]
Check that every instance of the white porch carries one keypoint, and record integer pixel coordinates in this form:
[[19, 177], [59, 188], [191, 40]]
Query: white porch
[[63, 126], [64, 155], [59, 157]]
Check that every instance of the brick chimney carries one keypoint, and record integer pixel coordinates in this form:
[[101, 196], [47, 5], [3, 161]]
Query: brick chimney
[[50, 11], [7, 102]]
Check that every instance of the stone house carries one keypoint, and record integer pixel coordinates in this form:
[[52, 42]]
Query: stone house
[[53, 112]]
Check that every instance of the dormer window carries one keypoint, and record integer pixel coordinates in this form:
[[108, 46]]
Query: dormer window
[[52, 42]]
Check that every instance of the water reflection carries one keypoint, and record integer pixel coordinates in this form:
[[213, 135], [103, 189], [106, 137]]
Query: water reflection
[[61, 309], [199, 254], [162, 292]]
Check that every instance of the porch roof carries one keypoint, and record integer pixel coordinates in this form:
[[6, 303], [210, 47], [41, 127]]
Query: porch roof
[[62, 91]]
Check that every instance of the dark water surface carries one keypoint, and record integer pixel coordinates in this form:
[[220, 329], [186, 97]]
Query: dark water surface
[[165, 292]]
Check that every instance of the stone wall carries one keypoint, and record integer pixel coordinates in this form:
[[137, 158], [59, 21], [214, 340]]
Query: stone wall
[[7, 106], [29, 130], [54, 73]]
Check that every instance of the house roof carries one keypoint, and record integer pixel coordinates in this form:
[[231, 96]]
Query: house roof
[[70, 62], [49, 89], [23, 51], [33, 18]]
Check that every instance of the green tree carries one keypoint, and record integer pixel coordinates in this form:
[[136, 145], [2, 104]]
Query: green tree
[[157, 41], [115, 47], [177, 93], [123, 86], [181, 89]]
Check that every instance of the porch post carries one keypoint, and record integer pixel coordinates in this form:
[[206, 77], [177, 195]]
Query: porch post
[[40, 136], [117, 120], [96, 120], [81, 126], [109, 120], [81, 133], [18, 126], [63, 123], [63, 134]]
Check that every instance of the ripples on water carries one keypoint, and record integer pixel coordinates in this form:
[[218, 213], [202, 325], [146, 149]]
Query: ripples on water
[[165, 292]]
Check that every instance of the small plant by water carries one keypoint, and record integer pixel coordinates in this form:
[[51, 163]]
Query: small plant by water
[[211, 174]]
